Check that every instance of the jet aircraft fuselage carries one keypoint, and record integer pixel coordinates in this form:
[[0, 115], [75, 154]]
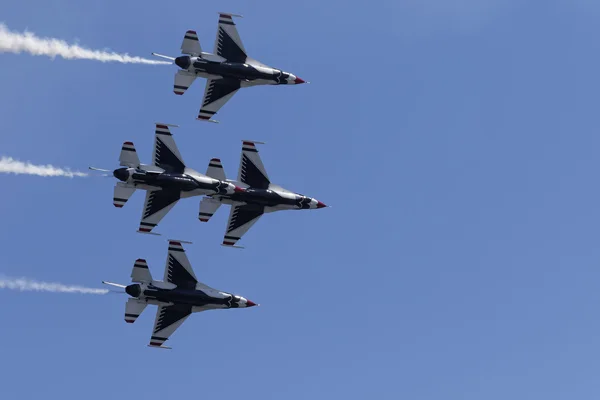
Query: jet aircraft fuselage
[[211, 66], [207, 298], [187, 182], [272, 199]]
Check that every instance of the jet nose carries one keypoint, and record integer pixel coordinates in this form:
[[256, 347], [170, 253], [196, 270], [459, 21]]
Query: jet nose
[[121, 174], [250, 303], [320, 204], [183, 62], [298, 81]]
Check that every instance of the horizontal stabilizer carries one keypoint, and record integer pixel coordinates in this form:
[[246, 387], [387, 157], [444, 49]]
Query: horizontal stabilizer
[[133, 309], [183, 80], [190, 44], [140, 272], [128, 156], [208, 207], [215, 169], [123, 192]]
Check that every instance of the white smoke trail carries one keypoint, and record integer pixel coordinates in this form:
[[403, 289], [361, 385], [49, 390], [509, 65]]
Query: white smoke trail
[[16, 42], [8, 165], [28, 285]]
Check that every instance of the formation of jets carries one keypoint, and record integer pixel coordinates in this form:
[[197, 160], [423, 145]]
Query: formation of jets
[[167, 179]]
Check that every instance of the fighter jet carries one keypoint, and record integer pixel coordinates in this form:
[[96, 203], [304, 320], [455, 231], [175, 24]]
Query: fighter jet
[[258, 197], [166, 181], [228, 70], [177, 296]]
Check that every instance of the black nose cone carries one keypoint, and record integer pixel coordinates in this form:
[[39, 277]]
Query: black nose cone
[[183, 62], [133, 290], [121, 174]]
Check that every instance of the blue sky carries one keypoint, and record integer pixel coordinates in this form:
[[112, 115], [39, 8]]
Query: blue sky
[[456, 141]]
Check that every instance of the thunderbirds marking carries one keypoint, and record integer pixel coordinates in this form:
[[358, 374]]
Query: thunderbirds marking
[[258, 197], [177, 296], [228, 70]]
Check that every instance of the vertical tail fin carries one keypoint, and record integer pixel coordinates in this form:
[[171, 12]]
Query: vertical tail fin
[[215, 169], [140, 272], [128, 156]]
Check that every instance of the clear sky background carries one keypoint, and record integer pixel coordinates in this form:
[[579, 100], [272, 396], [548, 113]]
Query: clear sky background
[[456, 141]]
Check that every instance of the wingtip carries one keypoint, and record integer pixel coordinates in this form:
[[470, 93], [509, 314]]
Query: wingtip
[[232, 246], [165, 124], [160, 347], [149, 233], [230, 14], [179, 241], [214, 121]]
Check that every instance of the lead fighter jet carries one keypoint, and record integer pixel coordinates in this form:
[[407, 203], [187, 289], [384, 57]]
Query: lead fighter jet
[[258, 197], [166, 181], [177, 296], [228, 70]]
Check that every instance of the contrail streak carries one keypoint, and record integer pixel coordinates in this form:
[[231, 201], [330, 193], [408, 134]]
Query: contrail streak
[[16, 42], [8, 165], [28, 285]]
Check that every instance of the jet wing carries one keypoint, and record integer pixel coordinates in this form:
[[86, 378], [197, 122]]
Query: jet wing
[[178, 269], [158, 203], [228, 43], [168, 319], [252, 171], [241, 218], [166, 154], [217, 93]]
